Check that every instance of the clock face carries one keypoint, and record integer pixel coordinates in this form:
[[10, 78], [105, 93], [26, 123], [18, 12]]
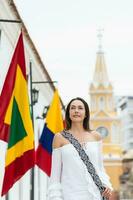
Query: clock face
[[103, 131]]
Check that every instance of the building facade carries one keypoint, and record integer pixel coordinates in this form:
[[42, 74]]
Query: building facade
[[125, 107], [9, 33], [104, 118], [126, 179]]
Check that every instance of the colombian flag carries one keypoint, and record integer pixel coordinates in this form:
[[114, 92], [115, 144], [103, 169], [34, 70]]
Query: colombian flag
[[53, 125], [15, 120]]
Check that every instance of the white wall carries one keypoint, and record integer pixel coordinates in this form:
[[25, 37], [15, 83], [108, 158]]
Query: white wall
[[10, 33]]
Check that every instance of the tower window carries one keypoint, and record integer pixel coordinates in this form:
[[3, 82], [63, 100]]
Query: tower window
[[101, 103]]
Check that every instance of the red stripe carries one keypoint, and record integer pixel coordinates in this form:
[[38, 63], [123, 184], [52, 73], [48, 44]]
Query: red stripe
[[43, 159], [17, 169], [4, 132], [18, 58]]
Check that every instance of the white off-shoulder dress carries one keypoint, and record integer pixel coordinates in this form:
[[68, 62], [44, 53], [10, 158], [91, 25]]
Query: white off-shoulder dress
[[70, 179]]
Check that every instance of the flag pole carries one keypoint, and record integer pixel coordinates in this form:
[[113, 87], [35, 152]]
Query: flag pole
[[7, 197], [32, 116], [31, 98]]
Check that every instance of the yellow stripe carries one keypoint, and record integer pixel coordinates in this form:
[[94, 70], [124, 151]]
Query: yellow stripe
[[21, 96], [7, 119], [18, 150], [54, 116]]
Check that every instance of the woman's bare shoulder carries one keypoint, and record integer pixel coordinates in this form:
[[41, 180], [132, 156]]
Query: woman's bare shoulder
[[57, 141], [97, 135]]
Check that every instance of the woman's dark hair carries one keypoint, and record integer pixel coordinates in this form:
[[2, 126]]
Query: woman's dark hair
[[87, 114]]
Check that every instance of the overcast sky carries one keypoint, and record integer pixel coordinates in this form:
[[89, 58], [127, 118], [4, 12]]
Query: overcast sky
[[65, 35]]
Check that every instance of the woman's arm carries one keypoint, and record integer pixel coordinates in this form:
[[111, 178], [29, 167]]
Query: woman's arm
[[101, 170], [54, 189], [103, 175]]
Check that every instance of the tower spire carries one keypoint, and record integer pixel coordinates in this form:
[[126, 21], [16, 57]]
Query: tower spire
[[100, 36], [100, 74]]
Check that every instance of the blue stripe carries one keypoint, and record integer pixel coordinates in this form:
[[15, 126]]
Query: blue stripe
[[47, 139]]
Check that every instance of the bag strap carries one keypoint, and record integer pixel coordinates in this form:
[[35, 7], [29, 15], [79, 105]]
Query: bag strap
[[85, 158]]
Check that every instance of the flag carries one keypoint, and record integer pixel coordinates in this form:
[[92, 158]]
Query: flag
[[53, 125], [15, 120]]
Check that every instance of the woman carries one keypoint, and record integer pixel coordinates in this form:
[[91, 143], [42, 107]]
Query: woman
[[70, 179]]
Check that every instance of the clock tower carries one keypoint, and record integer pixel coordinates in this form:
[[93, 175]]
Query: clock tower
[[104, 117]]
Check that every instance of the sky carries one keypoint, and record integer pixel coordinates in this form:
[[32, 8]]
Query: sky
[[65, 35]]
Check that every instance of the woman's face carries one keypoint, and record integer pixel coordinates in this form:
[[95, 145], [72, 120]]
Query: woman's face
[[77, 111]]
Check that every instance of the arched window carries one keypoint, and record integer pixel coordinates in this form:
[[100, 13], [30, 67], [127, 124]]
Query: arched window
[[93, 103], [115, 133], [110, 104], [101, 103]]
